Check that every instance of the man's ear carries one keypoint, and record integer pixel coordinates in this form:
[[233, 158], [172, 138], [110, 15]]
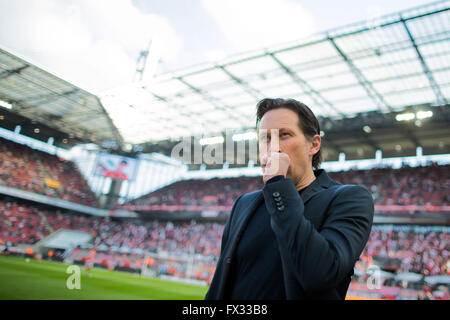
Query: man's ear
[[316, 142]]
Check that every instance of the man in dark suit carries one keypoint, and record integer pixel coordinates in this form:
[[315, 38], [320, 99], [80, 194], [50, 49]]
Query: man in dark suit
[[300, 236]]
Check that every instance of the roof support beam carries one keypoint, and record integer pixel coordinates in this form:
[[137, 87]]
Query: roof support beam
[[81, 116], [37, 101], [8, 73], [193, 116], [258, 95], [314, 94], [212, 100], [361, 30], [50, 97], [46, 88], [434, 86], [367, 86]]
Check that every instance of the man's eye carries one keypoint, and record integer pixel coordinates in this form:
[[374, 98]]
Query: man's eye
[[285, 134]]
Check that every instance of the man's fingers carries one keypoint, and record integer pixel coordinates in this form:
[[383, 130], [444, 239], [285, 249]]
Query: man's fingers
[[274, 163], [274, 141], [264, 158]]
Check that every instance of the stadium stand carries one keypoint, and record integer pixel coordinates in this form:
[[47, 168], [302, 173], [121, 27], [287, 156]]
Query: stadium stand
[[124, 244], [31, 170], [216, 191], [366, 81], [22, 223], [426, 185], [426, 251]]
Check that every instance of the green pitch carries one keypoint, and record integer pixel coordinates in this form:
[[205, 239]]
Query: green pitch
[[48, 280]]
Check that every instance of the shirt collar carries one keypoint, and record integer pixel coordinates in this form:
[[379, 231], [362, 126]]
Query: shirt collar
[[322, 181]]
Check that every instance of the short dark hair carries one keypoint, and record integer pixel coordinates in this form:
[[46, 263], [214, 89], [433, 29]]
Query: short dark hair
[[307, 121]]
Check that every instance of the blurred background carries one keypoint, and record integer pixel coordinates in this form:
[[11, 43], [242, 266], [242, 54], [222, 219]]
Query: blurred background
[[127, 130]]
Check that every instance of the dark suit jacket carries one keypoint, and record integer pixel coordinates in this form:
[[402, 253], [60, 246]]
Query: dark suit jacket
[[320, 235]]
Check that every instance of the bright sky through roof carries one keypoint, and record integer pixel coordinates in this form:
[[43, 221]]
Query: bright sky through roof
[[95, 44]]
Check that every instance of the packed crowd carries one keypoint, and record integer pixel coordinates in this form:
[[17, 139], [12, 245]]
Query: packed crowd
[[407, 257], [416, 249], [21, 224], [156, 236], [416, 186], [426, 185], [31, 170], [27, 169], [423, 251], [216, 191], [426, 252]]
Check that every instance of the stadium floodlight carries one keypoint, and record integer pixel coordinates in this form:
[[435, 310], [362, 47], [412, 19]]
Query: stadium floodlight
[[424, 114], [211, 140], [405, 116], [127, 147], [367, 129], [5, 104], [245, 136]]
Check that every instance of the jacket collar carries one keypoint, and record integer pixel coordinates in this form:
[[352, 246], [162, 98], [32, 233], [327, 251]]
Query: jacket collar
[[323, 181]]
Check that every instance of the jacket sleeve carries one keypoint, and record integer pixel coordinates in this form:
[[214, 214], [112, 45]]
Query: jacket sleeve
[[319, 260]]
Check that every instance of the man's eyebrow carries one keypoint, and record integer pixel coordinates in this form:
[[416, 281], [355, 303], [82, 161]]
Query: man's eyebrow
[[284, 130], [268, 131]]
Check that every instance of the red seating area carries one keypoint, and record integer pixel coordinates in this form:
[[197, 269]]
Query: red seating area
[[217, 191], [418, 251], [25, 168], [427, 185], [202, 238], [426, 252], [20, 223]]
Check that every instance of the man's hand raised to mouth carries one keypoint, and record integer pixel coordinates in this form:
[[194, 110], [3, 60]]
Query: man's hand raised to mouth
[[274, 164]]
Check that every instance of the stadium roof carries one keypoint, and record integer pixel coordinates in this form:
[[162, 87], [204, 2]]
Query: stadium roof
[[45, 98], [385, 64]]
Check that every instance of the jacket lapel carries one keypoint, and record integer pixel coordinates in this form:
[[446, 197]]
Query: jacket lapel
[[246, 213], [323, 181], [241, 222]]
